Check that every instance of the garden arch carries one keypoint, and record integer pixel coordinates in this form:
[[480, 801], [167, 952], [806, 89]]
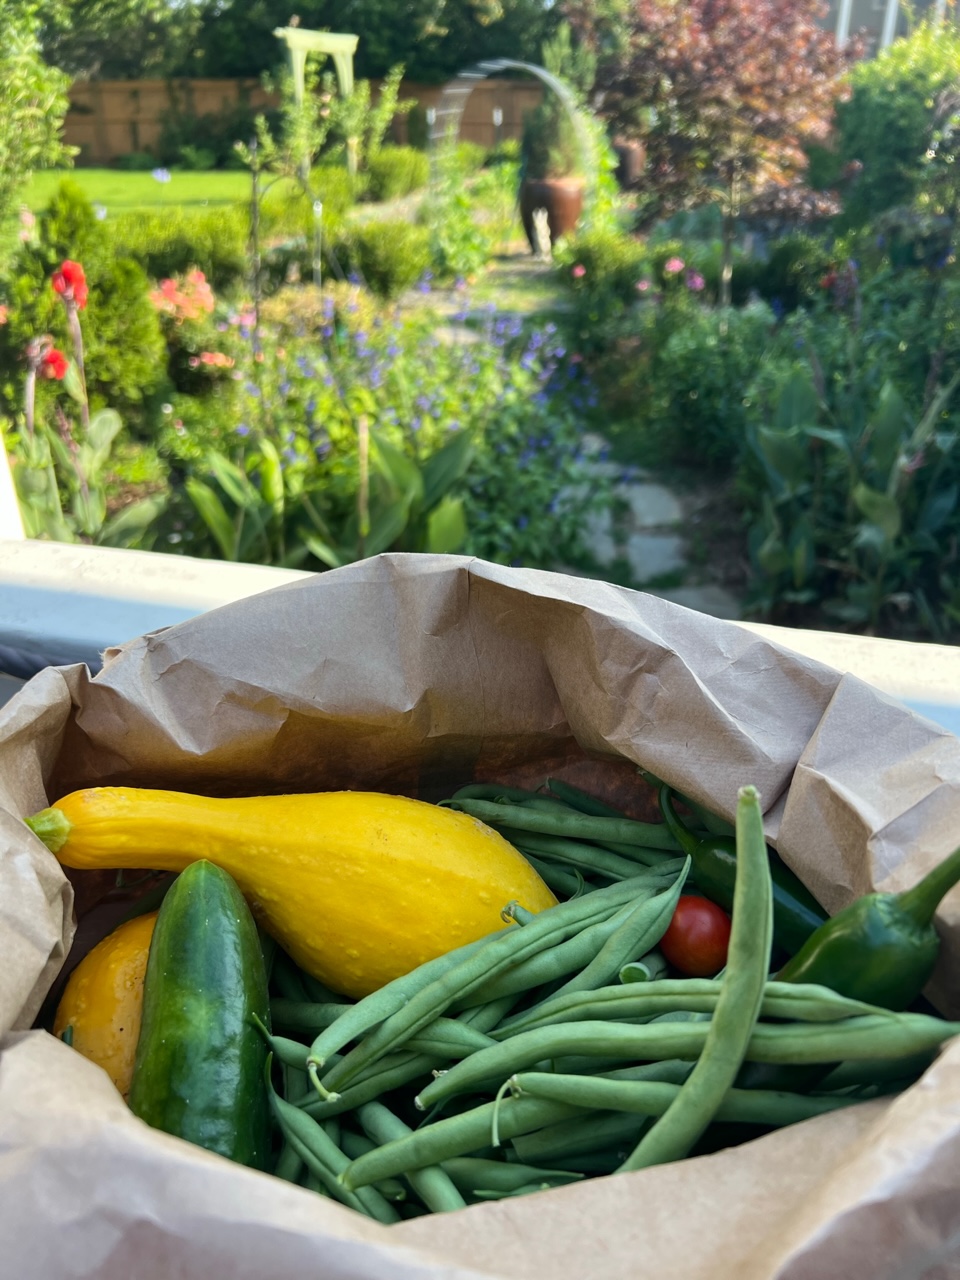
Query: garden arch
[[445, 123]]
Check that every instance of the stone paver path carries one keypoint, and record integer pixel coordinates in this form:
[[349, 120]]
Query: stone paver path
[[646, 540]]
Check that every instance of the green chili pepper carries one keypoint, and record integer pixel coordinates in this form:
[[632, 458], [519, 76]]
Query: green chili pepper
[[796, 913], [882, 948]]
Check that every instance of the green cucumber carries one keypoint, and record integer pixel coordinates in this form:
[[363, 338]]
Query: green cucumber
[[199, 1069]]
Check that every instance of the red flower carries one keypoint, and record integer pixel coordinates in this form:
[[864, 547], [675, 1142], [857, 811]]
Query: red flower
[[53, 364], [71, 282]]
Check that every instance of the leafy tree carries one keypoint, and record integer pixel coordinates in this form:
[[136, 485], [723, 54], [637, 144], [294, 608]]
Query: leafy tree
[[433, 38], [121, 39], [897, 127], [33, 102], [723, 94]]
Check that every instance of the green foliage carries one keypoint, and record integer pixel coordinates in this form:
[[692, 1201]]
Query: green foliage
[[361, 126], [61, 477], [121, 39], [435, 40], [136, 162], [124, 346], [550, 147], [790, 276], [470, 157], [888, 124], [459, 245], [602, 267], [33, 103], [204, 142], [388, 256], [396, 172], [170, 242], [360, 430], [852, 481]]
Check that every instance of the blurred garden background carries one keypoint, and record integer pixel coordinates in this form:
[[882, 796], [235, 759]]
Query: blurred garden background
[[246, 322]]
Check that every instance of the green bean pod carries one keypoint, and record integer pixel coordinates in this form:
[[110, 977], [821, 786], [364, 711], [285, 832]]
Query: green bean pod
[[359, 1018], [473, 1175], [454, 1136], [566, 958], [652, 835], [325, 1160], [655, 1098], [303, 1015], [470, 974], [434, 1187], [642, 928], [386, 1074], [872, 1036], [636, 1001], [591, 859]]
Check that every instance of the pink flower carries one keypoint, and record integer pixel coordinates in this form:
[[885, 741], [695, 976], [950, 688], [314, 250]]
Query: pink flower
[[695, 281], [643, 285], [4, 314], [579, 271], [215, 358], [673, 266]]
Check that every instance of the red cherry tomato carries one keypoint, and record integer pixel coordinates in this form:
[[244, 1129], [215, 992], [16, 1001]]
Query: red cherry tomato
[[697, 937]]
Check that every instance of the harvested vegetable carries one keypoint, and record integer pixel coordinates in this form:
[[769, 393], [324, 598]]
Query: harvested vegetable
[[200, 1058], [103, 1000], [883, 947], [796, 912], [697, 937], [358, 887]]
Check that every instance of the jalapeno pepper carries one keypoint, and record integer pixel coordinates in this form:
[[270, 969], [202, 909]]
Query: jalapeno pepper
[[882, 948], [796, 913]]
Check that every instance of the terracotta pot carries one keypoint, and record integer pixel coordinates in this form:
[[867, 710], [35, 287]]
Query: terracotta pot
[[561, 197]]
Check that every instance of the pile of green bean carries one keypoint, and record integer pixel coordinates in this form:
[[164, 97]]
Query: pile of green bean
[[547, 1052]]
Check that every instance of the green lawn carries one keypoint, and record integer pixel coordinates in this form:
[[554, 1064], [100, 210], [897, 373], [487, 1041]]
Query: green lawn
[[120, 192]]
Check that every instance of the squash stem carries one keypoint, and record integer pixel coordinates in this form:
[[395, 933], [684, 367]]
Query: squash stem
[[52, 826]]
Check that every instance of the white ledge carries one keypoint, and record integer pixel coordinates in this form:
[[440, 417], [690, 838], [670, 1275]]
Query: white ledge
[[71, 602]]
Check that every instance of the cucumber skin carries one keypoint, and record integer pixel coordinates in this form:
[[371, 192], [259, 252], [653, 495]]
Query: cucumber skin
[[199, 1069]]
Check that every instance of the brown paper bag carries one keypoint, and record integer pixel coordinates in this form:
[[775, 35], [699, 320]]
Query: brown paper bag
[[416, 674]]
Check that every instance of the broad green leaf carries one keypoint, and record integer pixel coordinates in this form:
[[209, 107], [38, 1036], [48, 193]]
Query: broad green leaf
[[445, 467], [928, 423], [72, 384], [879, 508], [937, 509], [801, 562], [271, 478], [772, 556], [324, 552], [401, 474], [130, 524], [60, 450], [446, 527], [90, 510], [870, 537], [887, 428], [214, 516], [104, 428], [829, 436], [786, 453], [387, 523], [797, 405], [234, 482]]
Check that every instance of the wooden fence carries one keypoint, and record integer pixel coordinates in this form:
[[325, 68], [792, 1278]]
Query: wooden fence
[[112, 118]]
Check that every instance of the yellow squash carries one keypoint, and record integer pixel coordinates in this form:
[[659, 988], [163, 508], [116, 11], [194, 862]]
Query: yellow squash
[[357, 886], [103, 1000]]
